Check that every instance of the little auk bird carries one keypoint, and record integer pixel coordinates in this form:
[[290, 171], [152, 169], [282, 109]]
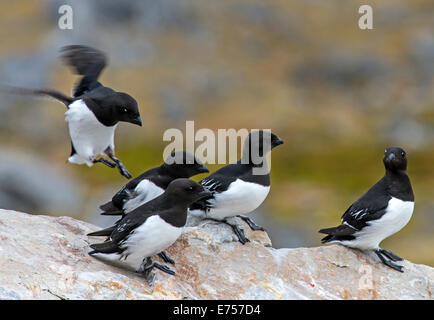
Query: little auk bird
[[240, 187], [382, 211], [153, 182], [149, 229], [93, 111]]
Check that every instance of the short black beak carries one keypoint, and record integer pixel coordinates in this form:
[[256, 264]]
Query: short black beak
[[391, 156], [205, 193], [137, 121], [278, 142], [203, 169]]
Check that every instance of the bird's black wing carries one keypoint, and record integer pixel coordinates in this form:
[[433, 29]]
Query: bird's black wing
[[359, 215], [371, 206], [221, 179], [217, 182], [119, 232], [54, 94], [86, 61], [354, 219]]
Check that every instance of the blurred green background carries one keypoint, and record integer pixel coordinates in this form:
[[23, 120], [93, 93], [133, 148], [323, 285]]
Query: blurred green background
[[336, 94]]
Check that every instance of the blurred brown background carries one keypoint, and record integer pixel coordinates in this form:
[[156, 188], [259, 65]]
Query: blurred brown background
[[336, 94]]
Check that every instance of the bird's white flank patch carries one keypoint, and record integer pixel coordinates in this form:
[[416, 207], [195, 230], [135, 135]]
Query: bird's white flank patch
[[241, 197]]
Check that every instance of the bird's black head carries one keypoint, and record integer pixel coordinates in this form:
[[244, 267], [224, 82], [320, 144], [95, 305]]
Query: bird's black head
[[186, 191], [183, 164], [259, 143], [126, 109], [395, 159]]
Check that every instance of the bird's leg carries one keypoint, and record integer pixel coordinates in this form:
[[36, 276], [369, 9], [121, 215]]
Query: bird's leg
[[104, 161], [251, 224], [123, 171], [146, 268], [237, 230], [387, 262], [163, 268], [390, 255], [163, 255], [148, 265]]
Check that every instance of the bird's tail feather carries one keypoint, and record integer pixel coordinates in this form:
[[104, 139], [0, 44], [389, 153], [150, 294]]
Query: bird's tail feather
[[327, 239], [339, 233], [104, 247], [329, 231], [104, 232], [109, 209]]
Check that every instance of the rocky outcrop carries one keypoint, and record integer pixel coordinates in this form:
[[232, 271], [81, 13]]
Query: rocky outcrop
[[44, 257]]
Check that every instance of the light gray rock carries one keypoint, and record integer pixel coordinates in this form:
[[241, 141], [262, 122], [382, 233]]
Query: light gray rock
[[44, 257]]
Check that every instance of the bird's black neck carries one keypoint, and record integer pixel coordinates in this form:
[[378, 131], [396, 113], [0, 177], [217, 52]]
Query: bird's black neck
[[398, 184], [255, 162], [169, 171], [102, 112], [175, 215]]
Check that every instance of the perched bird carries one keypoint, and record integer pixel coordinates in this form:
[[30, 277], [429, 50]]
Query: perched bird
[[153, 182], [240, 187], [382, 211], [94, 110], [149, 229]]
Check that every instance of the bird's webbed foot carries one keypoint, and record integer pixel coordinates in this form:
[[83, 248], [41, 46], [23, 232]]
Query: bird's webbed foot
[[251, 223], [385, 260], [163, 255], [148, 265], [236, 229], [390, 255]]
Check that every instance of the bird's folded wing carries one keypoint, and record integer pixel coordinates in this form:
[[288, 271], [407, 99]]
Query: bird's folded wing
[[126, 225], [213, 184], [358, 216]]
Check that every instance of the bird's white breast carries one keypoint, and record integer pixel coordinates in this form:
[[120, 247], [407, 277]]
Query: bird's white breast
[[241, 197], [145, 191], [149, 239], [90, 137], [397, 215]]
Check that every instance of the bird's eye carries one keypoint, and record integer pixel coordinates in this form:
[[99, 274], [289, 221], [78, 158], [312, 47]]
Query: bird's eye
[[190, 188], [385, 151], [403, 154], [124, 110]]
